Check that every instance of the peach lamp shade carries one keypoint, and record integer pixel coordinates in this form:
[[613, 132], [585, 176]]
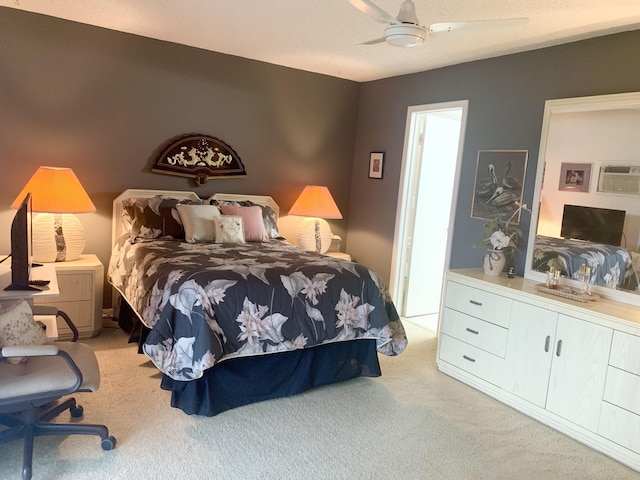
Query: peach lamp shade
[[316, 202], [57, 194]]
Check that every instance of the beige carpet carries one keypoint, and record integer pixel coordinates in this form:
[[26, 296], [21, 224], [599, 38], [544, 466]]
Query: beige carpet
[[412, 423]]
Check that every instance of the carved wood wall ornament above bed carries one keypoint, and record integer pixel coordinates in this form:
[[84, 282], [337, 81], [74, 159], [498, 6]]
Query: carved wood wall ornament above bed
[[199, 156]]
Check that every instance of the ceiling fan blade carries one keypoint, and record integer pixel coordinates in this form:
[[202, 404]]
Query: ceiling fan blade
[[373, 42], [445, 28], [369, 8]]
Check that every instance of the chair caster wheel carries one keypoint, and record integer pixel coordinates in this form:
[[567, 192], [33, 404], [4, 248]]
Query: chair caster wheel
[[77, 411], [108, 442], [27, 473]]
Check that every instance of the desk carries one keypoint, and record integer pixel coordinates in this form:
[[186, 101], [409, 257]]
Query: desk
[[45, 272]]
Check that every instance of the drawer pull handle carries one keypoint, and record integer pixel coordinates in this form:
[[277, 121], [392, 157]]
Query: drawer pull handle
[[559, 348], [546, 343], [475, 302], [469, 358], [475, 332]]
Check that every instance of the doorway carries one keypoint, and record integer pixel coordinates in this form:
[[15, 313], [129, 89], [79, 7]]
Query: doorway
[[434, 137]]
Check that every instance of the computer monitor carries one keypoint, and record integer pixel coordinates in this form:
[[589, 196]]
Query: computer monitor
[[21, 253]]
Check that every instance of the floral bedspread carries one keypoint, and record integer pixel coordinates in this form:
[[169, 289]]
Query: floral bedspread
[[206, 302], [611, 266]]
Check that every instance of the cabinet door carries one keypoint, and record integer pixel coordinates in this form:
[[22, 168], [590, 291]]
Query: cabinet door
[[529, 352], [578, 371]]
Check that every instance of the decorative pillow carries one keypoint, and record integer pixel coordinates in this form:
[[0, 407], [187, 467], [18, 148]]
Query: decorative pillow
[[268, 215], [229, 229], [18, 328], [155, 217], [198, 222], [253, 225]]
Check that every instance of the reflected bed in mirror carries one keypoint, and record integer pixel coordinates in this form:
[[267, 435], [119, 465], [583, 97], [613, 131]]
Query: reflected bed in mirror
[[611, 266], [595, 132]]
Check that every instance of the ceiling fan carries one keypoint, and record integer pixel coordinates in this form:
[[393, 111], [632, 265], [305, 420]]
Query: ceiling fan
[[404, 30]]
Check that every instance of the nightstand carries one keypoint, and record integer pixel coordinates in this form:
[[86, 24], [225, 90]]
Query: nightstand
[[80, 282], [340, 255]]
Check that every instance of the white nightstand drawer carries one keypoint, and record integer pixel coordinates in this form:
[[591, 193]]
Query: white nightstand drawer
[[478, 303], [623, 389], [75, 286], [620, 426], [487, 336], [625, 352], [471, 359]]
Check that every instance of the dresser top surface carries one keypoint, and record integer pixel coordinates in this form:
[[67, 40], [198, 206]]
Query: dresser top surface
[[606, 309]]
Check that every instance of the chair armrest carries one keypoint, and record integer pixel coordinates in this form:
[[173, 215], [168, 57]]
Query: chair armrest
[[43, 351], [30, 351], [44, 310], [50, 310]]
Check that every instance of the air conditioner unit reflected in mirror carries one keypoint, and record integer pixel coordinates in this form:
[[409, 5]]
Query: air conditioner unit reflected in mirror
[[621, 179]]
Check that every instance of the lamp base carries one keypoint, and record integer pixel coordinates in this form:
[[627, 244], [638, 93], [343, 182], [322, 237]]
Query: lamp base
[[57, 237], [314, 235]]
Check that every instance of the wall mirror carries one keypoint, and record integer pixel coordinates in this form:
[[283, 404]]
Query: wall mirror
[[586, 205]]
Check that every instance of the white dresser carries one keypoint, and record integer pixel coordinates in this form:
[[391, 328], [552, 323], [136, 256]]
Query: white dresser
[[573, 366]]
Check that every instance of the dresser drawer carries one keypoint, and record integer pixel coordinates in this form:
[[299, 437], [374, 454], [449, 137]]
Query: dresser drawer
[[478, 303], [620, 426], [484, 335], [471, 359], [625, 352], [623, 389]]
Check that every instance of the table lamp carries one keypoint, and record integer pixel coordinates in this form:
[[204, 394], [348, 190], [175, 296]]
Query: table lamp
[[57, 234], [316, 202]]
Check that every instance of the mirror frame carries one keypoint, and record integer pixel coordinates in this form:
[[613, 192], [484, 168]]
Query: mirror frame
[[573, 105]]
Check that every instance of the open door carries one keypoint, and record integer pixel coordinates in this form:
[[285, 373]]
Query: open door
[[426, 204]]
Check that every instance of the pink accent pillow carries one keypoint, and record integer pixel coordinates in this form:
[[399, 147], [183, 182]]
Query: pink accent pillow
[[253, 225]]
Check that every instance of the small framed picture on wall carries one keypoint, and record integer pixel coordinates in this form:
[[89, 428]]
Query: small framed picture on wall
[[376, 164], [575, 177]]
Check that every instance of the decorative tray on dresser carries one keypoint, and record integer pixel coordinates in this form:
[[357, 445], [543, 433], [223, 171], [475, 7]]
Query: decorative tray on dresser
[[574, 366]]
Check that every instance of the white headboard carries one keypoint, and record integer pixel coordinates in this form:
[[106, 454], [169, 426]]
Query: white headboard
[[120, 223]]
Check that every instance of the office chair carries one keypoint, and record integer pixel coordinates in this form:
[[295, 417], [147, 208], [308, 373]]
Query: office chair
[[31, 392]]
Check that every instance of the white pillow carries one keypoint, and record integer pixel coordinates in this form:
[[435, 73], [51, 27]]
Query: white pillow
[[229, 229], [18, 328], [198, 222]]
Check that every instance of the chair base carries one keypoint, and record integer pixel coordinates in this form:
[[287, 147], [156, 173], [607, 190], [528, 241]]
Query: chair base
[[34, 423]]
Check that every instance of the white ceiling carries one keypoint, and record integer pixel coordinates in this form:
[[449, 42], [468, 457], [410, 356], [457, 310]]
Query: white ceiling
[[324, 36]]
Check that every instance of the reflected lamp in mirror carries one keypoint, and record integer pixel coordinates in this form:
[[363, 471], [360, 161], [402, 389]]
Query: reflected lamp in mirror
[[316, 203], [57, 234]]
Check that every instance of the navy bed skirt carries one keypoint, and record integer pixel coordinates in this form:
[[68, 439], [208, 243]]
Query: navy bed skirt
[[241, 381]]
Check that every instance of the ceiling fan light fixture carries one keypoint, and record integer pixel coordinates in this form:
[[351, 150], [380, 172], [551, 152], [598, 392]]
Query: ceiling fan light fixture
[[405, 35], [407, 13]]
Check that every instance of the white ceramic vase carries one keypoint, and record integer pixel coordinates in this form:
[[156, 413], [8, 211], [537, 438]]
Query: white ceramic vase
[[493, 262]]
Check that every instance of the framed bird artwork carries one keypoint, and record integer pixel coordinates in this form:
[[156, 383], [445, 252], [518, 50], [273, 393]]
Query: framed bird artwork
[[499, 184]]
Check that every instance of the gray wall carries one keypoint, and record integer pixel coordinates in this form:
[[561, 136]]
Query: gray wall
[[506, 104], [102, 102]]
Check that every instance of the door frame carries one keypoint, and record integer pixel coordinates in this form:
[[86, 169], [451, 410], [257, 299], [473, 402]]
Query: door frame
[[405, 204]]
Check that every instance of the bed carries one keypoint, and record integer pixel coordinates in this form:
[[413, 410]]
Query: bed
[[234, 314], [611, 266]]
